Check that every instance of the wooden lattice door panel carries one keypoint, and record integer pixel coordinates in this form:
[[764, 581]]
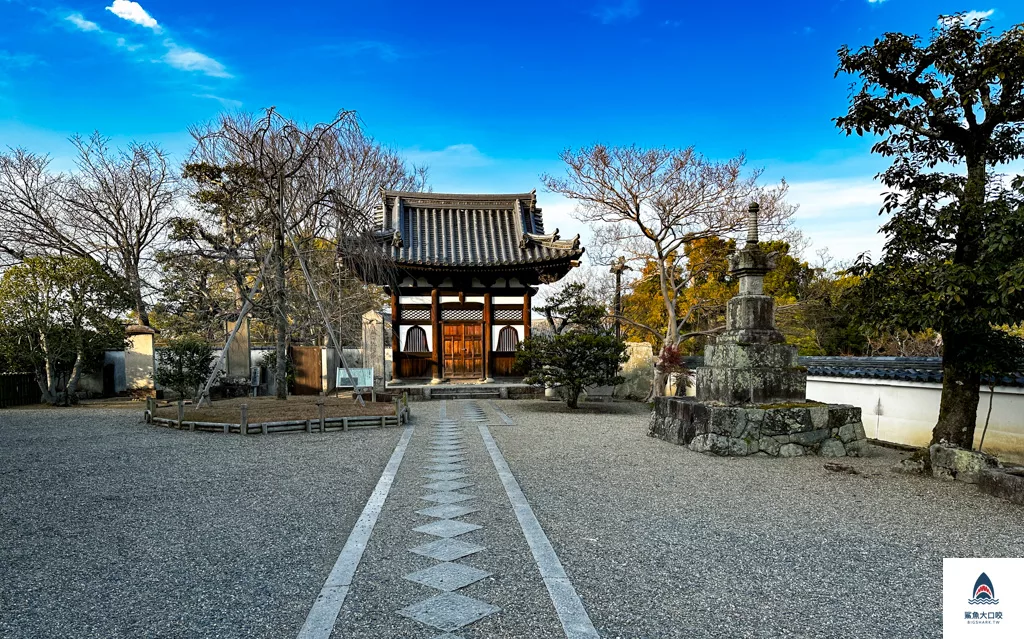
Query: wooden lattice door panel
[[463, 350]]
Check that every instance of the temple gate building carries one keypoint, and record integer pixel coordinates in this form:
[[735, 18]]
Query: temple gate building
[[467, 268]]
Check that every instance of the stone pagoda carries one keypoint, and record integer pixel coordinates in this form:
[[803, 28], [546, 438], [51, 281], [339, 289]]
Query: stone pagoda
[[751, 394]]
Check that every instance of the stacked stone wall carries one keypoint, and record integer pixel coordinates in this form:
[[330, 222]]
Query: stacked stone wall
[[829, 430]]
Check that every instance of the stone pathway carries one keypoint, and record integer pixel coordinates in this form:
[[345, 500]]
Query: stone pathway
[[457, 551], [450, 610]]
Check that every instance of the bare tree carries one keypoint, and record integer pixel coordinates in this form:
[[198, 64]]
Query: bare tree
[[33, 216], [648, 204], [120, 201], [112, 210], [297, 176]]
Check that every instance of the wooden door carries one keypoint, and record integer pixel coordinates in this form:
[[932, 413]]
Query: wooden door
[[307, 363], [463, 350]]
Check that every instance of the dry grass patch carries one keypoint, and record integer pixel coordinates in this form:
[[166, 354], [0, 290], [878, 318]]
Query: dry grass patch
[[270, 409]]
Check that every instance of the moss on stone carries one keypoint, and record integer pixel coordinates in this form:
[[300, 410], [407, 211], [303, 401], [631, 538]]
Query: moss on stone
[[791, 405]]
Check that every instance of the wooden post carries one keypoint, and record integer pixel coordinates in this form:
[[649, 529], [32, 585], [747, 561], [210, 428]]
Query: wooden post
[[435, 327], [527, 316], [320, 407], [150, 409], [487, 377], [181, 411], [263, 427], [243, 426], [383, 420], [309, 426], [395, 325], [344, 424]]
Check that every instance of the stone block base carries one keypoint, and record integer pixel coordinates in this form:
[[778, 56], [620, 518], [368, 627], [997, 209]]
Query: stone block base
[[829, 430], [952, 463], [1007, 483]]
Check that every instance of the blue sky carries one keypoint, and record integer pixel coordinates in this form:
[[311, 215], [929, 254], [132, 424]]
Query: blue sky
[[486, 93]]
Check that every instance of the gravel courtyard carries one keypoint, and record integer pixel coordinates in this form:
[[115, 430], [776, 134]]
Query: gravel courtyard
[[112, 528], [663, 542]]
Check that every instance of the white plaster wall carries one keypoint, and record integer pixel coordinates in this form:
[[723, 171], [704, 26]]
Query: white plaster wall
[[507, 300], [415, 299], [403, 330], [905, 412], [495, 330], [140, 361]]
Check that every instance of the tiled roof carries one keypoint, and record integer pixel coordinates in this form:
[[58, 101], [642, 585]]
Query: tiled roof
[[468, 230], [906, 369]]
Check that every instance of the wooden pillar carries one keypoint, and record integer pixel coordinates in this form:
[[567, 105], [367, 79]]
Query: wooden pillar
[[487, 376], [527, 316], [438, 345], [395, 322]]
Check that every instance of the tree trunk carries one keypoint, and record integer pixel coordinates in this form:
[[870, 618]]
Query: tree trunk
[[660, 381], [49, 382], [135, 284], [76, 374], [141, 308], [43, 382], [961, 390], [572, 397], [280, 316]]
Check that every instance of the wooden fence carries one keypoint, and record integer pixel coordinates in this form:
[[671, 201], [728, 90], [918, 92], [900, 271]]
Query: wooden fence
[[321, 424], [18, 389]]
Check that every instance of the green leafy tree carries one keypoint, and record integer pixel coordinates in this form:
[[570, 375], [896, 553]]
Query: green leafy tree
[[184, 365], [57, 315], [580, 352], [949, 111], [572, 306]]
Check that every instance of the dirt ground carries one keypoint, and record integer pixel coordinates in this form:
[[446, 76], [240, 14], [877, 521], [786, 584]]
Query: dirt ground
[[270, 409]]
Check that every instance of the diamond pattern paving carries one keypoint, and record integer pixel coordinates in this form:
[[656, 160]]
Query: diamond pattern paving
[[446, 549], [447, 511], [447, 458], [447, 576], [447, 497], [445, 476], [444, 467], [447, 485], [449, 611], [447, 528]]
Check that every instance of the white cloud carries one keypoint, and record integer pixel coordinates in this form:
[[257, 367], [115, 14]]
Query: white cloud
[[456, 156], [124, 44], [10, 60], [382, 50], [191, 60], [227, 103], [819, 198], [82, 24], [875, 1], [133, 12], [840, 214], [624, 10], [970, 18]]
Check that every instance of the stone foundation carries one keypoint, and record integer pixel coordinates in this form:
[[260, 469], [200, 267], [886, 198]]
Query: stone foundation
[[791, 430], [953, 463]]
